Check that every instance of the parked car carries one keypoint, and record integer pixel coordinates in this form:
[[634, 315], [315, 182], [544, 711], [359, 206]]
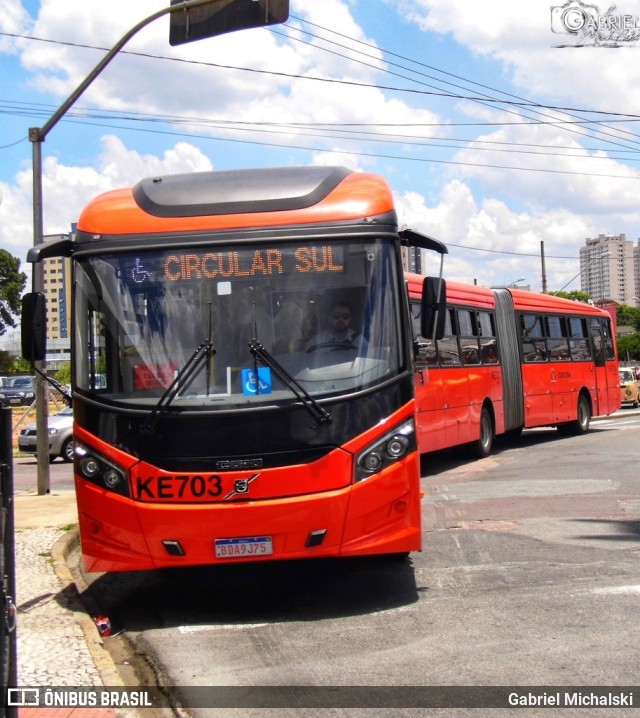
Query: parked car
[[60, 428], [18, 391], [629, 387]]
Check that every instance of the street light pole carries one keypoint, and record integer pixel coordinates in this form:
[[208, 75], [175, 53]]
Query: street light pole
[[37, 135], [582, 271]]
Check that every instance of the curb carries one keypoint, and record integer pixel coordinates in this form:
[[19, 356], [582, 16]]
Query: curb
[[101, 657]]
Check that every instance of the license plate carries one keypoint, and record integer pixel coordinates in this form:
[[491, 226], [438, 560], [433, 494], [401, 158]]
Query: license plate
[[14, 401], [239, 547]]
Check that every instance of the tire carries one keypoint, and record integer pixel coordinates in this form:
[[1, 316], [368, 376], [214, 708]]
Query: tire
[[583, 421], [66, 454], [481, 447]]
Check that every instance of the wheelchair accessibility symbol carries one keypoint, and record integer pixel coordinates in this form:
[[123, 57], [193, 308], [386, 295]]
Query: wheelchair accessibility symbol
[[260, 384]]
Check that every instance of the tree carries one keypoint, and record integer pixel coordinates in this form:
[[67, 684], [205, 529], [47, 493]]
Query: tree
[[22, 366], [629, 347], [629, 316], [63, 375], [12, 282], [575, 294]]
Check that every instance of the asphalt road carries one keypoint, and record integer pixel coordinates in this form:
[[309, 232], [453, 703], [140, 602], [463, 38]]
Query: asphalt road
[[25, 474], [529, 576]]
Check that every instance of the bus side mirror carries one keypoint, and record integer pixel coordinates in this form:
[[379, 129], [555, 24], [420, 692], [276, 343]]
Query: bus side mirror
[[432, 315], [34, 327]]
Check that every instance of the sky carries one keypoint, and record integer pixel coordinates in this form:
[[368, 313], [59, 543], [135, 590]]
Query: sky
[[500, 130]]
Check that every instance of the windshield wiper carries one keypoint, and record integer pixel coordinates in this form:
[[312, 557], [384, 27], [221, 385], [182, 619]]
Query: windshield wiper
[[200, 357], [321, 415], [66, 394]]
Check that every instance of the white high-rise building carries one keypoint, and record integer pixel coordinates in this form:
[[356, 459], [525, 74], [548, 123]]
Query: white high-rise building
[[609, 269]]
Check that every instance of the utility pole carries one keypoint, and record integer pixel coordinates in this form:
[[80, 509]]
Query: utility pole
[[544, 267]]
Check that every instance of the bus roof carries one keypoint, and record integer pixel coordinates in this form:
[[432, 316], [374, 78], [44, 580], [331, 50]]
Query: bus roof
[[534, 302], [240, 199], [523, 300], [457, 292]]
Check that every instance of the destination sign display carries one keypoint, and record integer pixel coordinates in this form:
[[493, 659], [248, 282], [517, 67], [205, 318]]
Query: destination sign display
[[201, 265]]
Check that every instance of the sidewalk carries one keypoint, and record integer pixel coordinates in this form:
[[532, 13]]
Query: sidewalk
[[57, 642]]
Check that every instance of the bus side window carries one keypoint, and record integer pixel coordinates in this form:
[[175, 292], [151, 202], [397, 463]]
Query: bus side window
[[602, 340], [427, 350], [598, 342], [534, 348], [468, 330], [557, 340], [609, 350], [579, 339], [448, 352], [488, 340]]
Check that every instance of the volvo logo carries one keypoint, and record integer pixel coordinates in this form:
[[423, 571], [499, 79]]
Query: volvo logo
[[234, 464], [241, 486]]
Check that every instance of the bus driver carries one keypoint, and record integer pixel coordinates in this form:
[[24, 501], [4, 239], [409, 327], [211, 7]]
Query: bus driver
[[339, 334]]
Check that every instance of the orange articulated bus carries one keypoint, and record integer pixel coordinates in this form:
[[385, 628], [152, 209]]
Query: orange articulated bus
[[218, 417], [509, 359]]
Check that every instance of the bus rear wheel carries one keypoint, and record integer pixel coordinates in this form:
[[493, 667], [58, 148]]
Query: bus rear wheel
[[583, 419], [481, 447]]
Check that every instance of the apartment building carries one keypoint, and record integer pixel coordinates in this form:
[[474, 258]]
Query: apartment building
[[610, 269], [57, 291]]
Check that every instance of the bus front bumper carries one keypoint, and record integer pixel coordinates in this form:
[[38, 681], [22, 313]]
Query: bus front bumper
[[376, 516]]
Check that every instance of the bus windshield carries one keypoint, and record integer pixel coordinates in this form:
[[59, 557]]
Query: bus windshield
[[327, 311]]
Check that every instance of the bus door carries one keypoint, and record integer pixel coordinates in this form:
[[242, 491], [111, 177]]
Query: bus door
[[605, 369], [536, 371]]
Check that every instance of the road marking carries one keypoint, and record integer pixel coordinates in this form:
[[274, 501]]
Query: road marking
[[617, 590], [222, 627]]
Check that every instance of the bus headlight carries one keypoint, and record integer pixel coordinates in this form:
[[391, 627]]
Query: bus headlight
[[372, 462], [397, 446], [89, 467], [392, 447], [93, 467]]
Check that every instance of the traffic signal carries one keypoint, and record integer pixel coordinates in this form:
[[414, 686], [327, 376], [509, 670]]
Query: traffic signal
[[221, 16]]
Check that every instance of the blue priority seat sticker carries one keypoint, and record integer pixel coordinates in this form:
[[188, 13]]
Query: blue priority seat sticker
[[260, 384]]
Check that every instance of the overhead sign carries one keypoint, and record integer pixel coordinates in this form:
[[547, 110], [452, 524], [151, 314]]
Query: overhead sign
[[221, 16]]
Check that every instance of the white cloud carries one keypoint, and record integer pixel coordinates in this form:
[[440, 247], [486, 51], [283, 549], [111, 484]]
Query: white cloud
[[567, 182], [67, 189], [512, 238], [560, 171], [204, 87], [14, 19], [518, 35]]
